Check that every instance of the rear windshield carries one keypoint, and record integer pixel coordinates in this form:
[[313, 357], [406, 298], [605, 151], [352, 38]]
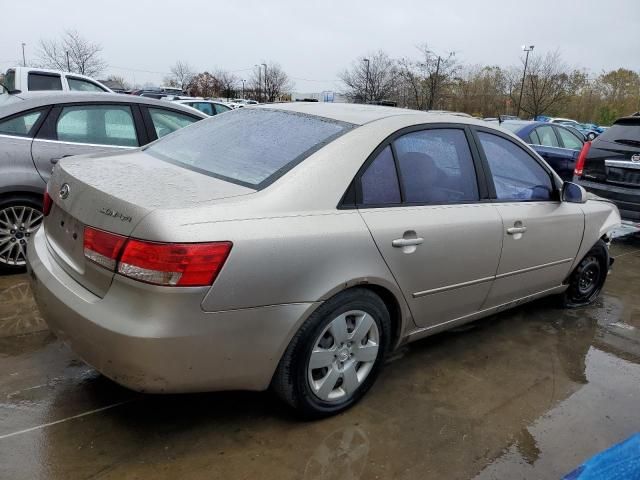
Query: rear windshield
[[250, 147], [625, 133]]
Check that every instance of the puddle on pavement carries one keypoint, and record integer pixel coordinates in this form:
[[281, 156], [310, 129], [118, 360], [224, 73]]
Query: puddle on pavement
[[529, 393], [18, 311]]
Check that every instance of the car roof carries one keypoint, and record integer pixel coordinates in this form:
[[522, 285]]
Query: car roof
[[39, 99], [360, 114]]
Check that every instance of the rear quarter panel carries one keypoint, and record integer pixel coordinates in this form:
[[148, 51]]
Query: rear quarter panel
[[17, 172]]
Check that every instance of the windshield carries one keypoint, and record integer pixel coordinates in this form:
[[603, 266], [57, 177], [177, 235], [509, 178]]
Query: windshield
[[512, 127], [250, 147]]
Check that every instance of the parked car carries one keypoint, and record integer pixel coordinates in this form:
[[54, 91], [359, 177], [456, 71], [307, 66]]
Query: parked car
[[301, 256], [36, 130], [28, 79], [588, 132], [208, 107], [244, 101], [609, 166], [557, 144]]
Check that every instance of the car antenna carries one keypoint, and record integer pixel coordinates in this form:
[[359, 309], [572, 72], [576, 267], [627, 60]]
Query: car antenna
[[499, 119]]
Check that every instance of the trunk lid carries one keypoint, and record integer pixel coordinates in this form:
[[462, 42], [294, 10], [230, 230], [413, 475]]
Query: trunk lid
[[114, 192]]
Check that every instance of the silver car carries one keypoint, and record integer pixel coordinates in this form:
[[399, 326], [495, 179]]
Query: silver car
[[294, 246], [37, 129]]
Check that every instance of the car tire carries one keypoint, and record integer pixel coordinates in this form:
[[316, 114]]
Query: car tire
[[304, 387], [15, 234], [587, 279]]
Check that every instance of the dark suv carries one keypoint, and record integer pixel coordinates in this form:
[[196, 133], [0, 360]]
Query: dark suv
[[610, 166]]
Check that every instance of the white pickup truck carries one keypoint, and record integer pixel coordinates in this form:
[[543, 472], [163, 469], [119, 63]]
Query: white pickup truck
[[29, 79]]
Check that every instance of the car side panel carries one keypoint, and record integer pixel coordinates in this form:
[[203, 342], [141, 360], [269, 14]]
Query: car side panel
[[16, 168]]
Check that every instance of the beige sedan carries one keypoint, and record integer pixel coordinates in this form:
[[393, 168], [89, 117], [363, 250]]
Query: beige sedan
[[294, 246]]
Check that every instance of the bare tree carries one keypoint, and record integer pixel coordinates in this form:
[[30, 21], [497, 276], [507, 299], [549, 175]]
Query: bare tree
[[181, 75], [72, 53], [204, 85], [271, 82], [374, 80], [228, 83], [547, 84]]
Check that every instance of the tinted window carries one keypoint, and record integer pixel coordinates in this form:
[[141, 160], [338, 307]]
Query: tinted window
[[248, 146], [436, 167], [167, 121], [516, 175], [221, 108], [102, 125], [380, 181], [41, 81], [628, 132], [203, 107], [569, 139], [21, 125], [83, 86], [533, 138], [547, 136]]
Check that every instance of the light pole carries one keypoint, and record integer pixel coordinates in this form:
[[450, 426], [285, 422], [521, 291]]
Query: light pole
[[259, 82], [265, 81], [68, 64], [366, 81], [524, 74], [24, 60], [243, 88]]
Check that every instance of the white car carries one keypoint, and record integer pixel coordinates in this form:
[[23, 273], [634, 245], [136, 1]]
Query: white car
[[27, 79], [208, 107]]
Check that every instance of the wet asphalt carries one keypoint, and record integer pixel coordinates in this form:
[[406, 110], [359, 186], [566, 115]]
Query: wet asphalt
[[529, 393]]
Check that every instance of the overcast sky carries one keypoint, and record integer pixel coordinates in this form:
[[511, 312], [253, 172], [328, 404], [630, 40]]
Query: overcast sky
[[314, 41]]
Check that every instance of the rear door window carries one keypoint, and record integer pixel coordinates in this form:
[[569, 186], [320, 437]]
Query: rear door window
[[251, 147], [221, 108], [168, 121], [517, 176], [204, 107], [547, 136], [436, 167], [20, 125], [44, 81], [380, 181], [79, 85], [569, 139], [97, 124]]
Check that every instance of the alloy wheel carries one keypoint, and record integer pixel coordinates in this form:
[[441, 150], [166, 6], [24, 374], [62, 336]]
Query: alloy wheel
[[343, 356], [17, 225]]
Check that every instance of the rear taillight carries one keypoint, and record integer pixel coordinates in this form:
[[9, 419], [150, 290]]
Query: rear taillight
[[102, 247], [169, 264], [581, 159], [46, 203]]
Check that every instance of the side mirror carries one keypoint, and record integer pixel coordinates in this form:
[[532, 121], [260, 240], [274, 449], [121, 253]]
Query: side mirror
[[573, 193]]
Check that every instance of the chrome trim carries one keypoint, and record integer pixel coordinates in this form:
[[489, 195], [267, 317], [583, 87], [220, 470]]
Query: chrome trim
[[484, 312], [488, 279], [452, 287], [531, 269], [85, 144], [17, 137], [622, 163]]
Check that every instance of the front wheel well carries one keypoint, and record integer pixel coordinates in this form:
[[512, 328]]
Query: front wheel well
[[393, 306]]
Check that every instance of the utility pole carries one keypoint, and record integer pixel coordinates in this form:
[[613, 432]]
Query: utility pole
[[259, 83], [366, 81], [243, 88], [265, 82], [524, 74], [24, 60], [68, 63]]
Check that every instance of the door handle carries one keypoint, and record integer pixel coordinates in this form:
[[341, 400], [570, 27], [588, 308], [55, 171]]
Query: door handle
[[407, 242], [515, 230]]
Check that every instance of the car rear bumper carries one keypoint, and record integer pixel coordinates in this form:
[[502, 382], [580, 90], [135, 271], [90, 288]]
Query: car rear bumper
[[627, 199], [158, 339]]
